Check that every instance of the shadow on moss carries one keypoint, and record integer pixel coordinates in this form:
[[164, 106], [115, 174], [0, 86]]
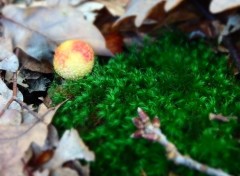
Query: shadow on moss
[[178, 80]]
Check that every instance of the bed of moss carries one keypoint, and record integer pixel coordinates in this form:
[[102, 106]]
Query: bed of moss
[[179, 80]]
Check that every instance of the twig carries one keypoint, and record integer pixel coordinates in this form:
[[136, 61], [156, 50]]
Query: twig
[[151, 131]]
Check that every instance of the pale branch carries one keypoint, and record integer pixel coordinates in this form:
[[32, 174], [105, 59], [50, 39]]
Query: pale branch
[[150, 130]]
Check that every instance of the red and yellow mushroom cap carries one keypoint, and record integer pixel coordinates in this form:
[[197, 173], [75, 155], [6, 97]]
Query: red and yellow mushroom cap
[[73, 59]]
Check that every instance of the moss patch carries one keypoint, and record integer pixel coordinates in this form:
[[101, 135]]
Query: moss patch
[[178, 80]]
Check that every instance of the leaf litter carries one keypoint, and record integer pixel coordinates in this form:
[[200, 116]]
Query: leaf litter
[[29, 35]]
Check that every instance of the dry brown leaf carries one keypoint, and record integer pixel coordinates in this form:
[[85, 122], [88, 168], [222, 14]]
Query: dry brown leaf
[[15, 140], [176, 16], [114, 42], [37, 30], [139, 9], [70, 147], [217, 6], [32, 64]]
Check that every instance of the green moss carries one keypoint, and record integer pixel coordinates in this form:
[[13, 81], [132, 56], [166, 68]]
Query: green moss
[[178, 80]]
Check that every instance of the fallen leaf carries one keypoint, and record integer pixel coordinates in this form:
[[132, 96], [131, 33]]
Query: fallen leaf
[[8, 60], [116, 7], [217, 6], [104, 21], [46, 114], [70, 147], [114, 42], [38, 30], [176, 16], [15, 140], [11, 117], [52, 138], [43, 154], [43, 157], [139, 9], [16, 170], [171, 4], [32, 64]]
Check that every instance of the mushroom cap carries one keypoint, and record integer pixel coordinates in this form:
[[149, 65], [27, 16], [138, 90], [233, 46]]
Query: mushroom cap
[[73, 59]]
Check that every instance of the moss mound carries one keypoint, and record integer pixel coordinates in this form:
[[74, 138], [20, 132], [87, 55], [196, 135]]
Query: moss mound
[[178, 80]]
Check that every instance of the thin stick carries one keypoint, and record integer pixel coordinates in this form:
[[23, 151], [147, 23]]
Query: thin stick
[[151, 131]]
